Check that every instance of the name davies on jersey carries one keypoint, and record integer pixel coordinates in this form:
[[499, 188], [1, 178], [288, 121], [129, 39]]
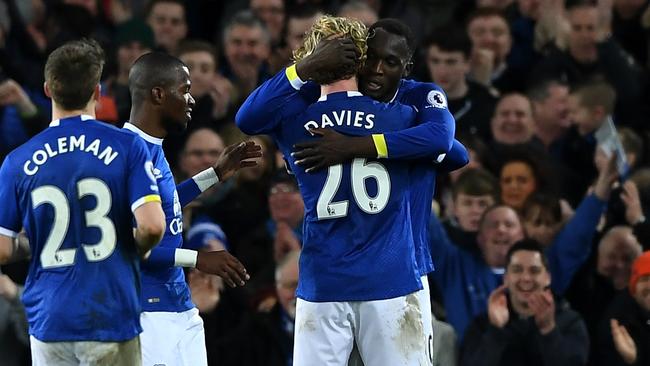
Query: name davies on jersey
[[66, 145], [359, 119]]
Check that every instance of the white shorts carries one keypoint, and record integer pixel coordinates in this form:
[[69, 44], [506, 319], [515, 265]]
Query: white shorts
[[387, 332], [173, 339], [125, 353], [424, 296]]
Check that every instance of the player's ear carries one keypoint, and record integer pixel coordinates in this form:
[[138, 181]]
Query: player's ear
[[46, 90], [157, 95], [408, 68], [97, 92]]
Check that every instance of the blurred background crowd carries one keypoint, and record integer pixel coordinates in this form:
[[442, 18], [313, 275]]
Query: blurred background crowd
[[529, 83]]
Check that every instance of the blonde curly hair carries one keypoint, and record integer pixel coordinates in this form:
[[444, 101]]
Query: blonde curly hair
[[336, 27]]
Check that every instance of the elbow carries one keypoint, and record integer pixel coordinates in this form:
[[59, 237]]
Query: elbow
[[245, 120]]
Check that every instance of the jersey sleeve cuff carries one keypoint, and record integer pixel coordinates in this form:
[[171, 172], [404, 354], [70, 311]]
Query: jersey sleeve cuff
[[7, 232], [185, 258], [294, 79], [145, 199], [380, 145], [206, 179]]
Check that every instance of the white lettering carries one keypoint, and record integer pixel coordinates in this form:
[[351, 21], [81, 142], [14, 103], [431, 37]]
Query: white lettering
[[326, 122], [50, 153], [42, 155], [94, 147], [108, 155], [358, 117], [62, 143], [79, 143], [29, 171], [370, 121], [311, 124], [339, 118]]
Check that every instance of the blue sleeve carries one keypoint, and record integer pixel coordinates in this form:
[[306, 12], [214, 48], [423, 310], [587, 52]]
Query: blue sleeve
[[435, 130], [10, 218], [572, 246], [271, 102], [187, 191], [160, 257], [456, 158], [443, 251], [141, 182]]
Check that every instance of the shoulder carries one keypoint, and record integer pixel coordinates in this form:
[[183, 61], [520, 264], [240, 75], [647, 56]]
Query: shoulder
[[423, 94]]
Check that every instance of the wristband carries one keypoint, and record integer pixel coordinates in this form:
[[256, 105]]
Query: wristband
[[380, 145], [185, 258], [206, 179]]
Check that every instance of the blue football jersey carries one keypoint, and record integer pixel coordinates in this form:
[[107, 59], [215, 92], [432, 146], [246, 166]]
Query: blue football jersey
[[163, 286], [357, 238], [73, 188], [284, 94]]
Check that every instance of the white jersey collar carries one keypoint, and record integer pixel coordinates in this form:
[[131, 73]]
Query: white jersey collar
[[144, 135]]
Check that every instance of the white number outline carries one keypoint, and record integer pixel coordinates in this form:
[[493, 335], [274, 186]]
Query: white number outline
[[51, 254], [360, 170]]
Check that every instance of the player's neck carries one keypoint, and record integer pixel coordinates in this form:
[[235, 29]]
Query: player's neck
[[339, 86], [143, 121], [59, 113]]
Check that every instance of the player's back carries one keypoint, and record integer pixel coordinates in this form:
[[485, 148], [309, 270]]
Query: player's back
[[357, 242], [422, 96], [75, 195]]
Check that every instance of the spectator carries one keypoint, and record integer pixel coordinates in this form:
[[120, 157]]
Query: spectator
[[359, 10], [589, 105], [525, 324], [591, 54], [299, 20], [448, 52], [266, 338], [247, 46], [287, 211], [272, 14], [512, 122], [624, 335], [491, 41], [213, 93], [473, 192], [549, 99], [133, 39], [14, 348], [167, 18], [543, 217]]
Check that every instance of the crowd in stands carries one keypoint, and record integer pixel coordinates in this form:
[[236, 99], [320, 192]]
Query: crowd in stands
[[540, 244]]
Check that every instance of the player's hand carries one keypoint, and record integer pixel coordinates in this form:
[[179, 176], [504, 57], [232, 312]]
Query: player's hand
[[224, 265], [330, 56], [235, 157], [331, 149], [623, 342], [498, 313], [543, 307], [8, 289]]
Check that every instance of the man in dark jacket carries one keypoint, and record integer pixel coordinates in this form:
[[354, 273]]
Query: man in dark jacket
[[624, 333], [525, 325]]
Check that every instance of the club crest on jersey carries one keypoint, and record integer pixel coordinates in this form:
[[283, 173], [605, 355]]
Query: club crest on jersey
[[436, 99]]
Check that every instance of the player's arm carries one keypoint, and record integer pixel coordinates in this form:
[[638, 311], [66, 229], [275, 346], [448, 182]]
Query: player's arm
[[233, 158], [143, 195], [13, 245], [150, 225], [288, 91]]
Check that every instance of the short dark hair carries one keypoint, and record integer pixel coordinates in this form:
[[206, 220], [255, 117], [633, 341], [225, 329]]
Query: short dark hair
[[540, 89], [450, 38], [192, 45], [154, 69], [530, 245], [246, 18], [152, 3], [548, 203], [594, 93], [72, 71], [538, 162], [398, 28], [476, 182], [486, 12]]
